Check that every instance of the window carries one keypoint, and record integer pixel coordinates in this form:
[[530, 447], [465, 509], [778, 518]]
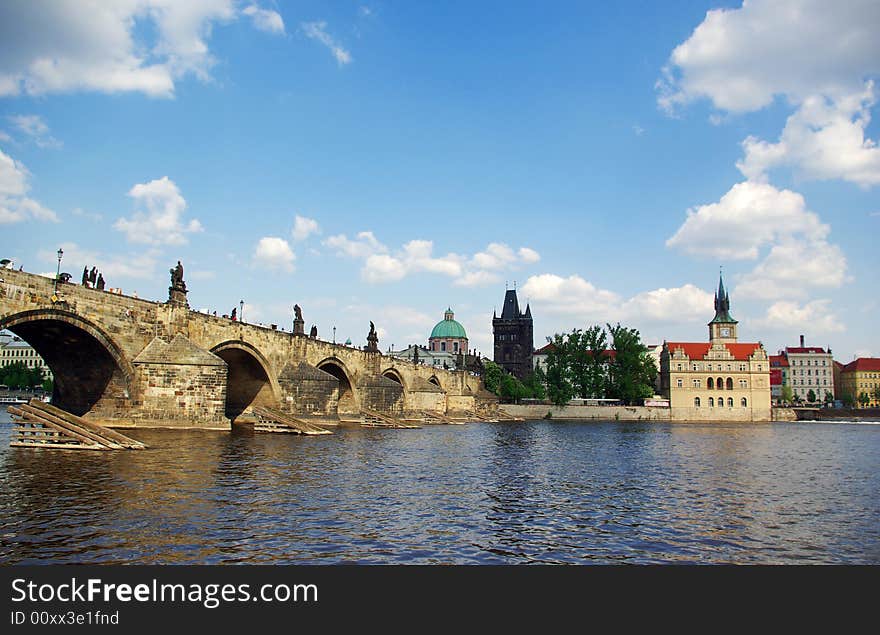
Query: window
[[696, 402], [679, 367], [455, 346], [710, 383], [730, 383], [678, 383], [744, 402], [743, 383], [696, 383], [711, 402], [730, 402], [719, 384], [442, 346]]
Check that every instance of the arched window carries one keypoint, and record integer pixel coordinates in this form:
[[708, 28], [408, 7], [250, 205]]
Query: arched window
[[730, 383], [696, 402], [719, 383], [744, 402], [711, 402], [442, 346], [710, 383], [456, 347], [730, 402]]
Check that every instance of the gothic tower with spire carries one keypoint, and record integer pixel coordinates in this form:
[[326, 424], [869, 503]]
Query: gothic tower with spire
[[722, 328], [514, 337]]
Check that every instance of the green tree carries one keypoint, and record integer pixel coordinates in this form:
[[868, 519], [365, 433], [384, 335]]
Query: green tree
[[876, 393], [559, 386], [829, 398], [811, 396], [19, 375], [864, 399], [787, 394], [48, 385], [512, 389], [631, 370], [534, 384], [492, 374], [848, 399]]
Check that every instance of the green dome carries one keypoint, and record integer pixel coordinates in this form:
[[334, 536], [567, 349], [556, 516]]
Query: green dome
[[448, 328]]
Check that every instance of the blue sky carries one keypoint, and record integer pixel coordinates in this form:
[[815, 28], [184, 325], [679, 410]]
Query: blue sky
[[382, 161]]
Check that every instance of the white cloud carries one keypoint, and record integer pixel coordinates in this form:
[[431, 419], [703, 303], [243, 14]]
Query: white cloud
[[415, 256], [34, 127], [304, 227], [580, 299], [793, 267], [50, 46], [274, 253], [749, 216], [15, 206], [318, 31], [823, 139], [78, 211], [159, 221], [264, 19], [113, 266], [4, 136], [383, 268], [815, 316], [363, 246], [742, 58]]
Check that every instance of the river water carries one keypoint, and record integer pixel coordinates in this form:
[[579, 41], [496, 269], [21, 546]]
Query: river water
[[534, 492]]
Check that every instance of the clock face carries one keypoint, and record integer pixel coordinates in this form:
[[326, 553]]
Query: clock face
[[725, 332]]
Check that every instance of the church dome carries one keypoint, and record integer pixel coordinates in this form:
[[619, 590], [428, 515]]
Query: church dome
[[448, 327]]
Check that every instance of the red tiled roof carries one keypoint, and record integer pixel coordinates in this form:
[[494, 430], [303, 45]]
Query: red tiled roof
[[698, 350], [804, 349], [545, 349], [863, 364], [778, 360]]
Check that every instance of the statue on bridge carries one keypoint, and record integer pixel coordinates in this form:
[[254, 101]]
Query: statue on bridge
[[299, 325], [372, 340], [85, 278], [100, 284], [177, 291], [313, 333]]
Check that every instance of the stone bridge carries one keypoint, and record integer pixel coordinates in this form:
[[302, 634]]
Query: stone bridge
[[126, 361]]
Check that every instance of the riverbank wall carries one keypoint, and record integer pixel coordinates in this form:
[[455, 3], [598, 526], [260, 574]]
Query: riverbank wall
[[598, 413]]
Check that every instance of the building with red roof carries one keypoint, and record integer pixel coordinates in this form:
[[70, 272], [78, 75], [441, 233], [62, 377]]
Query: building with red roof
[[810, 369], [719, 380], [860, 382]]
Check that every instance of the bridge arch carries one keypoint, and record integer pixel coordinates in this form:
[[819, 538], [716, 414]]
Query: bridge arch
[[433, 379], [347, 402], [249, 380], [88, 365], [394, 375]]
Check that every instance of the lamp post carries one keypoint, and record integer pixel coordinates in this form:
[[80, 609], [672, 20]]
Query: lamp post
[[334, 334], [58, 272], [241, 311]]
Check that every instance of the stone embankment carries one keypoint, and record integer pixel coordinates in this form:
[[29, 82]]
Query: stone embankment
[[596, 413]]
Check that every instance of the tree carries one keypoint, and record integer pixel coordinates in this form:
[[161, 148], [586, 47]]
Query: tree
[[19, 375], [534, 384], [811, 396], [829, 398], [559, 387], [787, 394], [876, 393], [492, 374], [512, 389], [848, 399], [631, 370], [864, 399]]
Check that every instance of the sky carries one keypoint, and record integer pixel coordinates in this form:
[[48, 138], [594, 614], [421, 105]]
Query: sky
[[386, 160]]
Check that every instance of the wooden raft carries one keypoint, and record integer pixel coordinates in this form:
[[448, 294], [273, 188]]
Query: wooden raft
[[42, 425], [436, 417], [375, 419], [271, 420]]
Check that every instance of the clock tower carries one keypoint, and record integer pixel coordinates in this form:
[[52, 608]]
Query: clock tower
[[722, 328]]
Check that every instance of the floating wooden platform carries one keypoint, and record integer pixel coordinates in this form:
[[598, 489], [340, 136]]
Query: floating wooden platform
[[271, 420], [436, 417], [375, 419], [42, 425]]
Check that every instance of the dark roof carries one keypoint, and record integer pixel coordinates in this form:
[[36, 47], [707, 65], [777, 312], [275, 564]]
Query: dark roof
[[511, 306], [722, 305]]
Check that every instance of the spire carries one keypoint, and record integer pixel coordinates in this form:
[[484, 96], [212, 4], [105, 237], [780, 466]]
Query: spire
[[510, 311], [528, 313], [722, 304]]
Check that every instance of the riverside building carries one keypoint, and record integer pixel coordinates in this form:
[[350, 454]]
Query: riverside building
[[809, 368], [719, 380]]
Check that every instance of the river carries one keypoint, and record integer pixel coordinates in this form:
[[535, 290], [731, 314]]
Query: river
[[533, 492]]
